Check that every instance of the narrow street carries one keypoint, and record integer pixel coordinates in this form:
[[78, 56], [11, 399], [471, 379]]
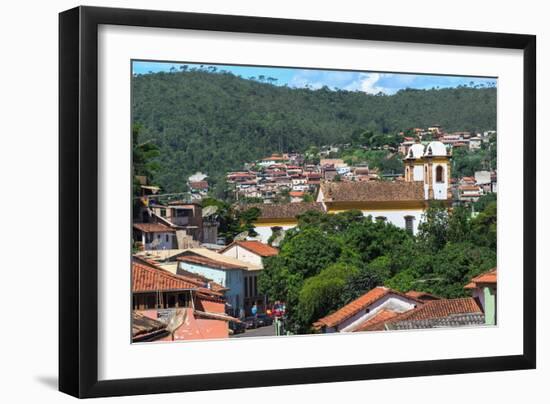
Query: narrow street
[[267, 331]]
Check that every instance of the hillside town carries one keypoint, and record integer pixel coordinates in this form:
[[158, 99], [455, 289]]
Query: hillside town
[[191, 281]]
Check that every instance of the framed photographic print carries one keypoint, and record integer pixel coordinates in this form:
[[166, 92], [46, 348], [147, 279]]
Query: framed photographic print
[[251, 201]]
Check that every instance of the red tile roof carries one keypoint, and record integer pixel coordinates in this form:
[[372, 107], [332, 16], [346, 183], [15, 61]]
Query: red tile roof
[[372, 191], [439, 309], [208, 262], [147, 278], [153, 228], [377, 322], [283, 210], [489, 277], [198, 185], [356, 306], [256, 247]]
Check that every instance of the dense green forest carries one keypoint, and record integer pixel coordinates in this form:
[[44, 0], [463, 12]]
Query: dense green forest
[[215, 121]]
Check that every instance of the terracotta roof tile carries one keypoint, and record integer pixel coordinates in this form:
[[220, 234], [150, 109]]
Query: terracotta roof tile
[[372, 191], [357, 305], [153, 228], [439, 309], [142, 325], [147, 278], [198, 185], [283, 210], [256, 247], [486, 277]]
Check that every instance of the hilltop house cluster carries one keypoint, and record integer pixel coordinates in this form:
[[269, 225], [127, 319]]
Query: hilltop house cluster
[[469, 140], [286, 174]]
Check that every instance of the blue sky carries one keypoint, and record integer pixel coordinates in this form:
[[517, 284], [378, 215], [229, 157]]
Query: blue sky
[[369, 82]]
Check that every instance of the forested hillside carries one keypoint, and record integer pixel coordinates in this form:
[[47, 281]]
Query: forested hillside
[[214, 122]]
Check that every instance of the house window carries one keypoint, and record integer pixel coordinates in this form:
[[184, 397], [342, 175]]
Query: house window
[[163, 212], [409, 224], [148, 238], [439, 174], [167, 238]]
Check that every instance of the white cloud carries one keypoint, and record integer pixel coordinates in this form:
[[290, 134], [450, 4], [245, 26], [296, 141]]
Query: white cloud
[[368, 83]]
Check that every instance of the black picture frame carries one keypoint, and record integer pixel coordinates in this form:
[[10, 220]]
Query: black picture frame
[[78, 193]]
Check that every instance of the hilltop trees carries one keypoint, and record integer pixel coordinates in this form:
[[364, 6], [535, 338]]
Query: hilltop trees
[[214, 121]]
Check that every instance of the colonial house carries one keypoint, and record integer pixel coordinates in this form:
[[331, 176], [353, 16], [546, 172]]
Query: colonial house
[[154, 236], [198, 187], [253, 252], [249, 251], [276, 218], [181, 215], [380, 301], [226, 271], [484, 290], [469, 193], [188, 307]]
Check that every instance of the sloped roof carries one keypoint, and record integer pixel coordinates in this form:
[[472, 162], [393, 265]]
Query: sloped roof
[[256, 247], [372, 191], [357, 305], [453, 320], [208, 262], [198, 185], [147, 277], [283, 210], [489, 277], [440, 309], [376, 323], [215, 256], [143, 326], [153, 228]]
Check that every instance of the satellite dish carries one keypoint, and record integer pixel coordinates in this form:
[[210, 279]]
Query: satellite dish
[[177, 319], [209, 211], [241, 236]]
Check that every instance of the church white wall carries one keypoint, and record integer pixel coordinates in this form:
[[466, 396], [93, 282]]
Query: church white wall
[[397, 217], [418, 173]]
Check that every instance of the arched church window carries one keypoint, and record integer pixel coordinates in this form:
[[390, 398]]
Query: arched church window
[[439, 174]]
